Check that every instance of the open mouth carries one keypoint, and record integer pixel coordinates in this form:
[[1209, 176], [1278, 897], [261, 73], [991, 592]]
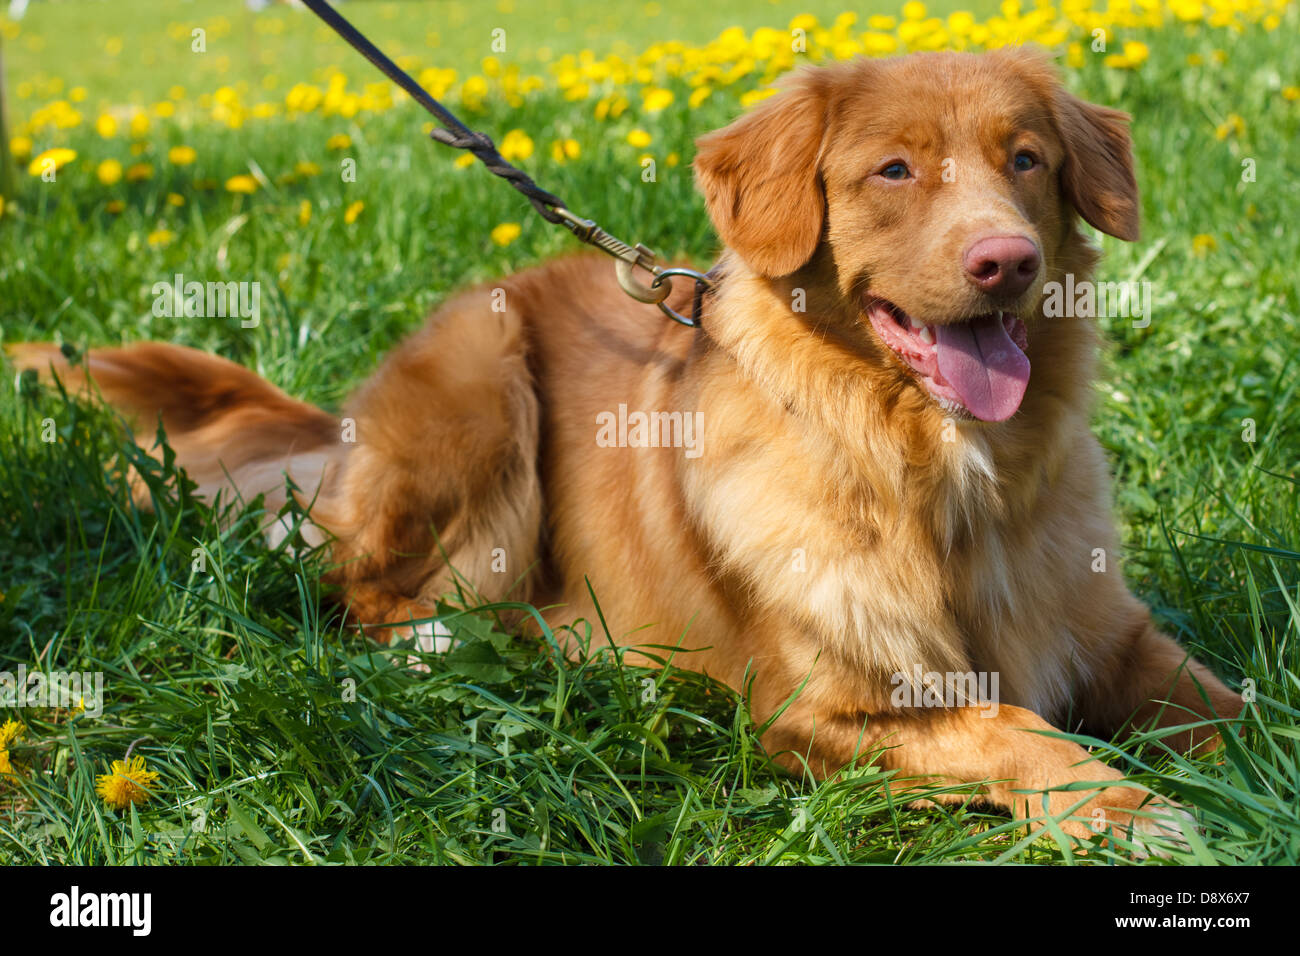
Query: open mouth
[[977, 366]]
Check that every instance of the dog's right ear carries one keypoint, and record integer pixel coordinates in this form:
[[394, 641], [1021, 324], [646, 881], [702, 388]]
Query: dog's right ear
[[761, 181]]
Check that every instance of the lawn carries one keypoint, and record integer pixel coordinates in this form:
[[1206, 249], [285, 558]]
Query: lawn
[[276, 733]]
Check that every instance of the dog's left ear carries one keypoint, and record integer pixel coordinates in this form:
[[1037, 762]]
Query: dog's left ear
[[1098, 172], [760, 178]]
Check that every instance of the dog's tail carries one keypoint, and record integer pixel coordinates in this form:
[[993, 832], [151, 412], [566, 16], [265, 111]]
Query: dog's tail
[[233, 433]]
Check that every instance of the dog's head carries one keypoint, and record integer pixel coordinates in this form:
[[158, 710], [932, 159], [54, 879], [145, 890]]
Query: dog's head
[[944, 189]]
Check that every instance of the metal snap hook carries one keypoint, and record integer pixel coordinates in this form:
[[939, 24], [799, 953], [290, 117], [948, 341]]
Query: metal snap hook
[[651, 294]]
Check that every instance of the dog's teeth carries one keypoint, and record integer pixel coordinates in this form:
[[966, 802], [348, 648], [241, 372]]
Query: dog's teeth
[[926, 335], [915, 324]]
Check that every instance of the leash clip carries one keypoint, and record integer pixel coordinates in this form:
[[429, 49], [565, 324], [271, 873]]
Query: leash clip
[[634, 257], [652, 294]]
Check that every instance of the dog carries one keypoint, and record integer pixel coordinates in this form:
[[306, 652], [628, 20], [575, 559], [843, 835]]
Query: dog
[[872, 464]]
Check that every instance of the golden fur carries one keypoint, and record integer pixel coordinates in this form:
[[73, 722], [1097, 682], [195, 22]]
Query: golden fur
[[837, 526]]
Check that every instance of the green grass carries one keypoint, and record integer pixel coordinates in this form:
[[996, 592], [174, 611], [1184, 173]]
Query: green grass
[[236, 681], [137, 55]]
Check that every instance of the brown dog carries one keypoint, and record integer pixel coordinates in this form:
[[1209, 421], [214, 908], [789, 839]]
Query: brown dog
[[869, 479]]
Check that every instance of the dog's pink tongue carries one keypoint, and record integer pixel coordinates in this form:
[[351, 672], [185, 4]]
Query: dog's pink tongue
[[983, 366]]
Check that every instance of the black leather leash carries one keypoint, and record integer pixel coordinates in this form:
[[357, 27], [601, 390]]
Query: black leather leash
[[549, 206]]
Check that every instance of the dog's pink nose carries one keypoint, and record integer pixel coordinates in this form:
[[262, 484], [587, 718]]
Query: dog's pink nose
[[1002, 265]]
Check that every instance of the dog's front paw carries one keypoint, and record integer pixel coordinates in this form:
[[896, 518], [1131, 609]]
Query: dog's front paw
[[1165, 829], [1151, 828], [431, 637]]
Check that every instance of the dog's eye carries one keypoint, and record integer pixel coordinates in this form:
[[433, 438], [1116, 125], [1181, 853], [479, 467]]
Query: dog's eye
[[1024, 162], [896, 171]]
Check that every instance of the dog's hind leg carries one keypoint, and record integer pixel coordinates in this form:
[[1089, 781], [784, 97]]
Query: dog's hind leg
[[441, 490], [428, 483]]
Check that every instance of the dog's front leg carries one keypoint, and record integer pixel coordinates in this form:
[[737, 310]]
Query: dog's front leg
[[1003, 754]]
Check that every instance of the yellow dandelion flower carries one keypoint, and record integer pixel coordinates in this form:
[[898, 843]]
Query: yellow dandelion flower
[[563, 150], [1203, 245], [106, 126], [506, 233], [464, 161], [181, 155], [175, 199], [338, 141], [51, 159], [1291, 93], [1195, 59], [639, 138], [114, 206], [130, 782], [108, 172], [304, 212], [10, 731], [1136, 53], [304, 168], [140, 125], [961, 22], [353, 211], [516, 145], [20, 147], [139, 172], [756, 96], [656, 99], [1232, 125], [699, 95], [161, 237], [243, 183], [879, 44]]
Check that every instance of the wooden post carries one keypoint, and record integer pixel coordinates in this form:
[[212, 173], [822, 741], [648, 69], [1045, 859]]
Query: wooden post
[[6, 160]]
